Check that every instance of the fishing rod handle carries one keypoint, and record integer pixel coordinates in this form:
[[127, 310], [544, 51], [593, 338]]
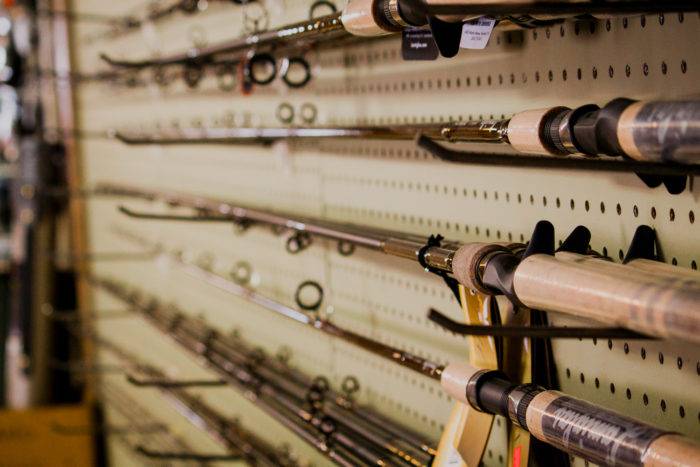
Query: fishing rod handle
[[659, 305], [578, 427], [663, 131]]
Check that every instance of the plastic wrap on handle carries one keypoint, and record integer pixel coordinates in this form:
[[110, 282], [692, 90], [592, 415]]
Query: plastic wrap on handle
[[587, 287], [661, 131], [603, 436]]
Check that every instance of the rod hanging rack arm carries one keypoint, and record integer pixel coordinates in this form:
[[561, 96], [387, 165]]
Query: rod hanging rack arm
[[187, 456], [659, 132], [568, 282]]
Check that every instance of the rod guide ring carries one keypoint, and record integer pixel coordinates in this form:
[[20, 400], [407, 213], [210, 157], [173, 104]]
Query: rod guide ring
[[313, 305]]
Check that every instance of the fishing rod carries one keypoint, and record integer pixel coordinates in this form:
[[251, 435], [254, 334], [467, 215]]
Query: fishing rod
[[660, 132], [596, 434], [240, 441], [371, 18], [600, 435], [306, 313], [569, 282], [299, 34], [445, 18], [243, 369]]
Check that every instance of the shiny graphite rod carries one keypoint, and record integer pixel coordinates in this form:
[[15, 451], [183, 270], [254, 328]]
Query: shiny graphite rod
[[654, 131], [236, 437], [300, 33], [262, 386], [663, 305], [400, 357]]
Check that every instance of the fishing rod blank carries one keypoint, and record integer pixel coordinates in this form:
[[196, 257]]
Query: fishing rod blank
[[230, 433], [243, 375], [586, 430], [656, 131], [651, 303], [298, 34]]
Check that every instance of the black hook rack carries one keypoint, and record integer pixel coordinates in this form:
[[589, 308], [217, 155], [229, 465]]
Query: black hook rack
[[169, 383], [187, 456], [673, 176], [538, 331]]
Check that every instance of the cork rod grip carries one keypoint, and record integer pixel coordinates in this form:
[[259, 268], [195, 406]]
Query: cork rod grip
[[587, 287], [672, 450]]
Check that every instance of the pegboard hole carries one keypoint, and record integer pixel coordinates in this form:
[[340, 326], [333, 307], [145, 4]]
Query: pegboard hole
[[672, 215], [628, 393], [602, 207], [679, 363], [653, 212], [635, 211], [619, 209], [587, 206], [582, 377], [691, 217], [612, 388], [661, 358], [681, 411], [645, 399], [644, 353], [626, 347], [663, 405]]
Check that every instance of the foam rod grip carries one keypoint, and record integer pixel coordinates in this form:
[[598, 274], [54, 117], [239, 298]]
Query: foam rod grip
[[661, 131], [665, 306], [605, 437]]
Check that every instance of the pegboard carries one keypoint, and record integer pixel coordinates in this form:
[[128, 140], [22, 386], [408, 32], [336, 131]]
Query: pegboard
[[385, 184]]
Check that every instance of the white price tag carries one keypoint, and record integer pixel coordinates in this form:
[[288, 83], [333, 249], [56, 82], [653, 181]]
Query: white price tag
[[476, 34]]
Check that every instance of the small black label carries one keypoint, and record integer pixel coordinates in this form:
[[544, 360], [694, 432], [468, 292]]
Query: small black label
[[418, 44]]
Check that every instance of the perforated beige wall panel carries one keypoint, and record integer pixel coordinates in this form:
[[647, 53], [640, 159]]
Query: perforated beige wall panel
[[393, 185]]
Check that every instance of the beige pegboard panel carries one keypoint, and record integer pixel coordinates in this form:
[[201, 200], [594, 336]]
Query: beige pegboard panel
[[392, 185]]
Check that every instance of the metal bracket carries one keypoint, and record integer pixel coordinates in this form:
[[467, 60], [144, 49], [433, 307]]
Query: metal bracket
[[187, 456], [168, 383]]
